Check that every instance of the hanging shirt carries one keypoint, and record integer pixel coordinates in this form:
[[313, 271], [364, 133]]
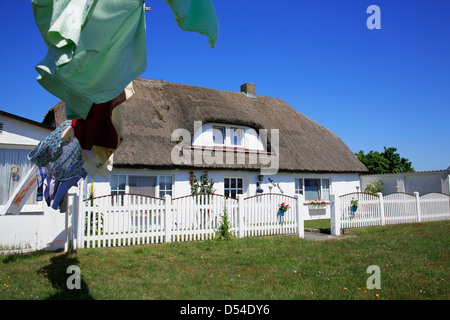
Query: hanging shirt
[[40, 174], [70, 180], [95, 49], [197, 16]]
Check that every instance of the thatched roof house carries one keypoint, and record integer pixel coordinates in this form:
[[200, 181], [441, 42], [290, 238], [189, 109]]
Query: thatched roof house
[[158, 108]]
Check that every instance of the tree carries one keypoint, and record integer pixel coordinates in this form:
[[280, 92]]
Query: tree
[[388, 161]]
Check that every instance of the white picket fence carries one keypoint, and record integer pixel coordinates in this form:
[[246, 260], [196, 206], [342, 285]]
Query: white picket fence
[[129, 219], [382, 209]]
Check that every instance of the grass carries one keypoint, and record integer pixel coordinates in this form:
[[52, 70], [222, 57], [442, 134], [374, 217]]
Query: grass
[[413, 261]]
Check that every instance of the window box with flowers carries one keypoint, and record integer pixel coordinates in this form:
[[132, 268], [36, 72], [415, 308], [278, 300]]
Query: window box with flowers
[[317, 205]]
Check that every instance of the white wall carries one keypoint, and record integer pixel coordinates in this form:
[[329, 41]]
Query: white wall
[[422, 182], [32, 231], [20, 133], [284, 183]]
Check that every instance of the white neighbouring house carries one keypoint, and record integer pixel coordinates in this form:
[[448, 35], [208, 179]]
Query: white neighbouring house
[[37, 226]]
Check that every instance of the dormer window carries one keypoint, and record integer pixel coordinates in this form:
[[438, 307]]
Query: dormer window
[[222, 135]]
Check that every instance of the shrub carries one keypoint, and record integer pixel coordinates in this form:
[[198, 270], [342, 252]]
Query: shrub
[[374, 187]]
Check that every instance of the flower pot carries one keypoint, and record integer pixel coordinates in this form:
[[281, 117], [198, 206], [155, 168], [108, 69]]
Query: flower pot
[[281, 213], [317, 207], [354, 209]]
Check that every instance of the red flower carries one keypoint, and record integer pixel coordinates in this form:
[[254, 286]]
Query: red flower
[[206, 171], [212, 182], [282, 204], [191, 180]]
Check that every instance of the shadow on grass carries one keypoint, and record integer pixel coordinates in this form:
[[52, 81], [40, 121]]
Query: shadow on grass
[[58, 275]]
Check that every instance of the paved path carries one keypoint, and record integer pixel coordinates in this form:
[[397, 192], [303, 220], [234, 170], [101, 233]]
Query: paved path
[[317, 235]]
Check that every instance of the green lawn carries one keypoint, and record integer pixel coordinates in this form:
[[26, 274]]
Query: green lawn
[[413, 261]]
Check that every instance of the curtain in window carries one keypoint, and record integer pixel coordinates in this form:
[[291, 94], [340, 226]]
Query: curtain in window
[[312, 189], [143, 185], [9, 180]]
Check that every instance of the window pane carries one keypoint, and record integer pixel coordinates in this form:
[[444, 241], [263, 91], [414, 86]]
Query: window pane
[[218, 135], [326, 189], [312, 188], [233, 183], [162, 193], [236, 136], [165, 186], [325, 183], [298, 186], [239, 181], [227, 183], [8, 180], [118, 183]]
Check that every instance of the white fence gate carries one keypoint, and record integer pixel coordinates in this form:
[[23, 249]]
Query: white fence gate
[[129, 219], [382, 209]]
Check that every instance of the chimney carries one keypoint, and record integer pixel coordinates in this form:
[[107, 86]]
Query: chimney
[[248, 89]]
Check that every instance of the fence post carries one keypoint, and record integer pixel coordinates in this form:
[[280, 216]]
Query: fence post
[[419, 210], [168, 218], [240, 222], [81, 215], [300, 216], [335, 215], [381, 202]]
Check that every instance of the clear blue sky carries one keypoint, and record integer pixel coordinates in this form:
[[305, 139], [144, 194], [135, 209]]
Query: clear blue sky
[[373, 88]]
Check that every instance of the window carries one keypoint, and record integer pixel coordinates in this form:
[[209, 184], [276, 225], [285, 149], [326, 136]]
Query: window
[[326, 189], [218, 135], [142, 185], [236, 136], [313, 189], [152, 186], [9, 180], [165, 186], [298, 186], [118, 183], [233, 187]]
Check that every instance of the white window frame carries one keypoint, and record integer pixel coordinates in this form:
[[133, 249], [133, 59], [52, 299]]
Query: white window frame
[[322, 190], [127, 182], [35, 206], [244, 185], [217, 131], [165, 191], [236, 132], [230, 132]]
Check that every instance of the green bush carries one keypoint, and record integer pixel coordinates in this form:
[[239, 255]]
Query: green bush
[[374, 187]]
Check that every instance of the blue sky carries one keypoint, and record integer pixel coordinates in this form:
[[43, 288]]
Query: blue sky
[[373, 88]]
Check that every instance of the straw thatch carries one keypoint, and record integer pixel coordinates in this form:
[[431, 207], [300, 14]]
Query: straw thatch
[[158, 108]]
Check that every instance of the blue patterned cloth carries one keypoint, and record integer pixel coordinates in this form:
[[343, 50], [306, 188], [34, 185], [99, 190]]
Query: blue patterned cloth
[[57, 156]]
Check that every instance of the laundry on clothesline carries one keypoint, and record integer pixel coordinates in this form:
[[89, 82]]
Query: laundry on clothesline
[[95, 49]]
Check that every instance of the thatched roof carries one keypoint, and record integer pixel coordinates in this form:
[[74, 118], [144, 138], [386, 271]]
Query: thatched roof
[[158, 108]]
